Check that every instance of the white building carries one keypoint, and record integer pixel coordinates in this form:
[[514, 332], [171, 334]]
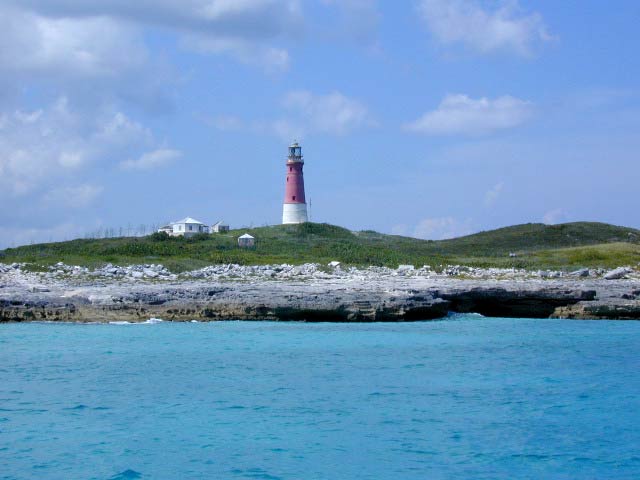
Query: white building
[[168, 229], [246, 241], [219, 227], [187, 227]]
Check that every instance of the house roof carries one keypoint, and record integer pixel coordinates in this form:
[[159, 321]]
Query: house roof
[[188, 220], [221, 222], [246, 235]]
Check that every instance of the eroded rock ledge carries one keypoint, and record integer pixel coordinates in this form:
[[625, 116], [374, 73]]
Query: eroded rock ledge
[[32, 297]]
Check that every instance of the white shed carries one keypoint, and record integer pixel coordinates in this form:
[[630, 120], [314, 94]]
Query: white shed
[[168, 229], [246, 241]]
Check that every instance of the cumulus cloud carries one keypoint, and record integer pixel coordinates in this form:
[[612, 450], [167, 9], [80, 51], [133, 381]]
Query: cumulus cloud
[[152, 160], [38, 144], [358, 19], [303, 113], [442, 228], [39, 149], [257, 18], [85, 34], [88, 58], [11, 236], [119, 130], [89, 47], [225, 123], [52, 160], [78, 196], [492, 194], [270, 58], [476, 27], [333, 113], [400, 229], [460, 114], [557, 215], [438, 228]]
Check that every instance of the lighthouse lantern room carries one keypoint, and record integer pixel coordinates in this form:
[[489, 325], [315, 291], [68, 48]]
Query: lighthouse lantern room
[[294, 209]]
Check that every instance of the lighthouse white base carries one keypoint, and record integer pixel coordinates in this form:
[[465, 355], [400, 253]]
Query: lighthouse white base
[[294, 213]]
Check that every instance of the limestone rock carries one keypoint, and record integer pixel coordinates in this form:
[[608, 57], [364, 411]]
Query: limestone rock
[[617, 273], [583, 272]]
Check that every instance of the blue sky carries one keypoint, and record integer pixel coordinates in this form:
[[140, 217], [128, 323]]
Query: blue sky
[[429, 118]]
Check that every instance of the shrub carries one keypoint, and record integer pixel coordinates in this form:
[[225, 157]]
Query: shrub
[[159, 237], [199, 237]]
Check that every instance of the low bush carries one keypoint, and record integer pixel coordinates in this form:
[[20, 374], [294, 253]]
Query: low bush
[[159, 237]]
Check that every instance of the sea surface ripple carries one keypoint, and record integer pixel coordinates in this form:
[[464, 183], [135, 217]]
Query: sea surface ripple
[[466, 397]]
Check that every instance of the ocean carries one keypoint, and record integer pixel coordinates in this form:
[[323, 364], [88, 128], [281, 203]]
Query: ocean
[[466, 397]]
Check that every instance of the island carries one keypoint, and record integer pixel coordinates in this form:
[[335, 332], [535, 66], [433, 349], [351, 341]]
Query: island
[[317, 272]]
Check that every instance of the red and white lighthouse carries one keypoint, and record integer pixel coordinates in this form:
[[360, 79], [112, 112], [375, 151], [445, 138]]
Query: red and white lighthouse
[[294, 209]]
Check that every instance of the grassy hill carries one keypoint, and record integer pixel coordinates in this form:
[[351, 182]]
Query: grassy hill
[[571, 245]]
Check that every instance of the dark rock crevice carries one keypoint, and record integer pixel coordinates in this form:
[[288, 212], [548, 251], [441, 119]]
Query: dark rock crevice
[[505, 303]]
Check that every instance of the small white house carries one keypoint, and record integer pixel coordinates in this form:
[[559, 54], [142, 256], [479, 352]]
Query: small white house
[[168, 229], [246, 241], [187, 227], [219, 227]]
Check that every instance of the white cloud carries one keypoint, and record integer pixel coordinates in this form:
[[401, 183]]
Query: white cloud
[[70, 159], [400, 229], [11, 236], [78, 196], [87, 47], [435, 228], [442, 228], [304, 113], [482, 29], [89, 58], [120, 130], [33, 150], [358, 20], [552, 217], [286, 129], [40, 149], [460, 114], [152, 160], [599, 98], [492, 194], [52, 161], [89, 37], [256, 18], [270, 58], [27, 117], [332, 113], [225, 123]]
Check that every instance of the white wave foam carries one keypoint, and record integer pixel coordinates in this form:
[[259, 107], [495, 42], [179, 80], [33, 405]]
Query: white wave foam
[[458, 315], [151, 321]]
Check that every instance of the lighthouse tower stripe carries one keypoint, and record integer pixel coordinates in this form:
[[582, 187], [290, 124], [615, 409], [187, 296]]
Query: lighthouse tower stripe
[[294, 213], [294, 209], [294, 186]]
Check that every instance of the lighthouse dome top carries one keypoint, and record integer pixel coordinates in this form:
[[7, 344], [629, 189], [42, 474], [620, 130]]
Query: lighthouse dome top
[[295, 153]]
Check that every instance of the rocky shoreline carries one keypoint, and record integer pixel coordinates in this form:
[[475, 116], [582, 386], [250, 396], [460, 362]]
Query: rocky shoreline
[[311, 292]]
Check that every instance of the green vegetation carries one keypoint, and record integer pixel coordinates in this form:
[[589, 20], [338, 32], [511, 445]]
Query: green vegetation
[[566, 246]]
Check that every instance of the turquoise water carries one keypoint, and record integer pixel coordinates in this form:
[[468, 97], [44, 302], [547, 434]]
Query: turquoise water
[[467, 397]]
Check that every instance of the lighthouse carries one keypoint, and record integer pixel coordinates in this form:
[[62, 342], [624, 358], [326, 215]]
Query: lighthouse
[[294, 209]]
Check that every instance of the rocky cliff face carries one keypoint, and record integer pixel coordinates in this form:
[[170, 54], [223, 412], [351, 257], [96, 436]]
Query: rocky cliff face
[[306, 294]]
